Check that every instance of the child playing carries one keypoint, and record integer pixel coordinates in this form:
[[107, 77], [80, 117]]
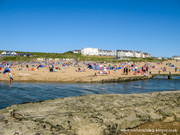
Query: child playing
[[10, 76]]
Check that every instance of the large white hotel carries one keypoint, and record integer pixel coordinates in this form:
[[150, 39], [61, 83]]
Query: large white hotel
[[117, 53]]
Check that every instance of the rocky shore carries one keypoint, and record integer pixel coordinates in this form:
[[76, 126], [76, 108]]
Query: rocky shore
[[105, 114]]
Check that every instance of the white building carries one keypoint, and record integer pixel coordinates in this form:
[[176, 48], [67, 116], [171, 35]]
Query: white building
[[118, 53], [77, 51], [89, 51], [137, 54], [176, 57], [146, 55], [129, 54], [106, 53], [8, 53], [124, 53]]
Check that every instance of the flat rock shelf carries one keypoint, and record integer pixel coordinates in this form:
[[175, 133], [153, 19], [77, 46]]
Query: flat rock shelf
[[102, 114]]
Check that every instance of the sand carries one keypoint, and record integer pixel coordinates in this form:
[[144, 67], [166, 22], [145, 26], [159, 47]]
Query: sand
[[68, 74]]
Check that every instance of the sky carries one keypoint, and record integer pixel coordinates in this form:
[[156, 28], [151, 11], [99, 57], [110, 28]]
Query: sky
[[58, 26]]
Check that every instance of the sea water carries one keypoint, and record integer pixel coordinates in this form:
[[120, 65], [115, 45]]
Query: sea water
[[20, 92]]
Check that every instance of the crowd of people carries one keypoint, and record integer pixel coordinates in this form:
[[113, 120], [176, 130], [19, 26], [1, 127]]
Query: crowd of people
[[102, 68]]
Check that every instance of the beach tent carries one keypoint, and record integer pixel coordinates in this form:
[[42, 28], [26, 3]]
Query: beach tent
[[119, 67], [95, 67], [6, 70], [172, 65], [123, 63], [51, 66], [40, 66], [90, 67]]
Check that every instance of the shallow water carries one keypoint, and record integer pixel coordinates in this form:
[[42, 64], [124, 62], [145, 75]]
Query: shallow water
[[19, 92]]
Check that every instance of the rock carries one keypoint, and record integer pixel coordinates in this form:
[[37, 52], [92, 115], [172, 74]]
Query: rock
[[130, 122], [2, 117], [155, 117], [165, 112], [37, 134], [104, 114], [169, 119], [177, 116], [176, 112], [143, 116]]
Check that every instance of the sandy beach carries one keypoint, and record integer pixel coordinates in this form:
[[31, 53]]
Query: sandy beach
[[69, 73]]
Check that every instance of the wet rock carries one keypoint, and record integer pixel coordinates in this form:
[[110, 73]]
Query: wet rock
[[92, 114]]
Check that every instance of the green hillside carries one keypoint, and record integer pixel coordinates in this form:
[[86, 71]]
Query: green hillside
[[70, 54]]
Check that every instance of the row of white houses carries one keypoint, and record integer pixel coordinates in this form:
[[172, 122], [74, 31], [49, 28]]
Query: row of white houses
[[118, 53], [13, 53]]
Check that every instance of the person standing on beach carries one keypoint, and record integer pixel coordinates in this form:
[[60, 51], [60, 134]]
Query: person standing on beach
[[126, 69], [147, 68], [10, 77]]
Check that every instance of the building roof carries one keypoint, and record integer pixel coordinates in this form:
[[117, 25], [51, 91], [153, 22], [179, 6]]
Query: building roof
[[8, 52], [76, 50], [124, 51], [107, 50], [138, 51]]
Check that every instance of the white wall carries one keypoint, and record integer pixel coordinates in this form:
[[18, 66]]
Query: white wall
[[89, 51], [129, 54], [176, 58], [3, 53], [137, 54], [106, 53]]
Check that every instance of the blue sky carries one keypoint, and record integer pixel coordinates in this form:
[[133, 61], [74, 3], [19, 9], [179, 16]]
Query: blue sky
[[61, 25]]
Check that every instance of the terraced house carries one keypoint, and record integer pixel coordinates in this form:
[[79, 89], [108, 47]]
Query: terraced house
[[118, 53], [124, 53], [106, 53]]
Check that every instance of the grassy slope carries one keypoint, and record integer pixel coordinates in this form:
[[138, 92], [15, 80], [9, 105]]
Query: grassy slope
[[74, 56]]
